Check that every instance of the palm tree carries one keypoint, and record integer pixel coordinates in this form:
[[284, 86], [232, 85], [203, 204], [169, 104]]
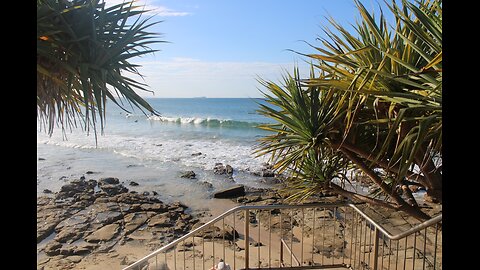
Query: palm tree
[[83, 54], [381, 105]]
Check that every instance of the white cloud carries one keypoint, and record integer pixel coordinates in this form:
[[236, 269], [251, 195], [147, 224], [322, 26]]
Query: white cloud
[[163, 11], [186, 77], [153, 8]]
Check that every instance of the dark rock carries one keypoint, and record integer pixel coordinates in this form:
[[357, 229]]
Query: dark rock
[[188, 174], [146, 193], [92, 183], [252, 218], [133, 183], [47, 191], [256, 244], [82, 182], [154, 193], [196, 154], [108, 180], [89, 172], [229, 169], [232, 192], [41, 159], [267, 173], [132, 165], [74, 187], [84, 197], [219, 169], [112, 189]]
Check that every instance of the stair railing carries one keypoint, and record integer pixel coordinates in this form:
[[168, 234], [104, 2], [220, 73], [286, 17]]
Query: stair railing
[[313, 236]]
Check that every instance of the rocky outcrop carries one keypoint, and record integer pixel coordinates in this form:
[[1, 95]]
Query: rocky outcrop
[[91, 217], [232, 192], [106, 233]]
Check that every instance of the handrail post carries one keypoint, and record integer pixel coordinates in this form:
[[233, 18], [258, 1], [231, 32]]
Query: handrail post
[[247, 237], [375, 249]]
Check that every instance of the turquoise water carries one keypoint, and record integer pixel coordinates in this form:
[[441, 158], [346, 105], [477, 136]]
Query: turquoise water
[[189, 134], [218, 118]]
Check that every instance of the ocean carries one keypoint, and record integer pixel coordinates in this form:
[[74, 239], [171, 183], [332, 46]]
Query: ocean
[[190, 134]]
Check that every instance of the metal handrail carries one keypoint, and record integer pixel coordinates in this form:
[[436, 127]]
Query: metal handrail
[[410, 231], [226, 213], [378, 228]]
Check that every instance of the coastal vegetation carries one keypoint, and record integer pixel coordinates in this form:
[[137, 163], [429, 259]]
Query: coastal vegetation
[[84, 49], [371, 105]]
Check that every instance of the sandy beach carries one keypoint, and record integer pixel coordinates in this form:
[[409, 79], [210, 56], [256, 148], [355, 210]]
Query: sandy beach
[[100, 224]]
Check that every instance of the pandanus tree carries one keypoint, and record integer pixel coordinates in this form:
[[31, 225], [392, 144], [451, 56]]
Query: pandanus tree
[[372, 102], [84, 52]]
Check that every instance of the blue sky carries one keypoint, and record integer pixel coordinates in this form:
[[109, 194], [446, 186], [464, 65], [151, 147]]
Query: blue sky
[[218, 48]]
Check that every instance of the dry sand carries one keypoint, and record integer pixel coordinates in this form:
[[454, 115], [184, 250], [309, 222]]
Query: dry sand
[[309, 248]]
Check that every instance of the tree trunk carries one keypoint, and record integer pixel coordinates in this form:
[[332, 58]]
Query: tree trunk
[[432, 175], [382, 163], [401, 204], [410, 210]]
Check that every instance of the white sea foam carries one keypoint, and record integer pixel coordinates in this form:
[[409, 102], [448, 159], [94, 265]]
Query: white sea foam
[[184, 151], [210, 121]]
